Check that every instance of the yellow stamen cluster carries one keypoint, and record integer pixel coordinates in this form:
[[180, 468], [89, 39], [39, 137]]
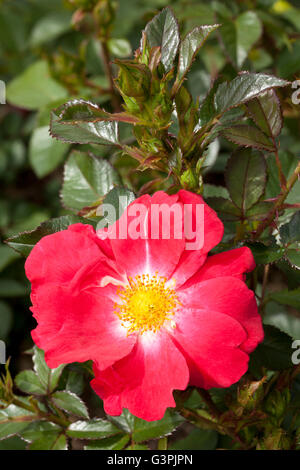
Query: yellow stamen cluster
[[146, 303]]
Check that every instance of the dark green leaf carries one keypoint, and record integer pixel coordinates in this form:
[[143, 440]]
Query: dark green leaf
[[293, 258], [163, 31], [37, 428], [198, 439], [24, 242], [79, 122], [9, 427], [278, 316], [287, 297], [110, 443], [248, 136], [144, 430], [246, 177], [290, 232], [266, 112], [125, 421], [93, 429], [190, 46], [207, 109], [86, 179], [210, 190], [75, 382], [48, 377], [6, 316], [12, 288], [265, 254], [44, 435], [226, 210], [275, 351], [119, 198], [50, 441], [13, 443], [27, 381], [71, 403], [243, 88]]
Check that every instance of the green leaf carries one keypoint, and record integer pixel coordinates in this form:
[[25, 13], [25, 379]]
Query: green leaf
[[50, 27], [207, 109], [50, 441], [266, 112], [119, 47], [248, 136], [293, 258], [79, 122], [36, 429], [198, 439], [210, 190], [277, 316], [275, 351], [93, 429], [75, 381], [246, 177], [125, 421], [86, 179], [24, 242], [12, 288], [265, 254], [34, 88], [12, 443], [288, 60], [287, 297], [190, 46], [27, 381], [110, 443], [70, 403], [48, 377], [6, 316], [7, 256], [290, 232], [226, 210], [119, 198], [9, 427], [240, 35], [243, 88], [134, 80], [289, 161], [45, 153], [144, 430], [163, 31]]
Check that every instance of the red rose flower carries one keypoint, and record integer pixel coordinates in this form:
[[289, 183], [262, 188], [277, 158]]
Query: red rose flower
[[154, 314]]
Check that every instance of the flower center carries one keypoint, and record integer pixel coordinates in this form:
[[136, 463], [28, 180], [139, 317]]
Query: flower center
[[146, 303]]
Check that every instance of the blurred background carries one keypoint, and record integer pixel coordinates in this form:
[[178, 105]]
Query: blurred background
[[51, 52]]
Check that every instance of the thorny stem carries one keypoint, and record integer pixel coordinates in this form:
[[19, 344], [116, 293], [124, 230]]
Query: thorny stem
[[209, 403], [279, 203], [42, 415], [282, 178], [109, 74], [192, 416], [264, 286]]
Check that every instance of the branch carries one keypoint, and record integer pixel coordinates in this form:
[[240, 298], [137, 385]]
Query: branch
[[109, 74], [278, 204]]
